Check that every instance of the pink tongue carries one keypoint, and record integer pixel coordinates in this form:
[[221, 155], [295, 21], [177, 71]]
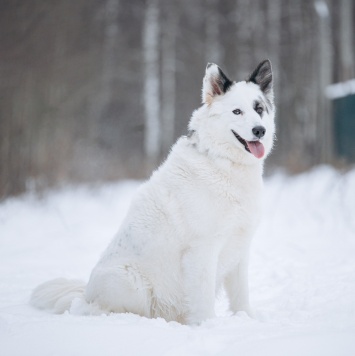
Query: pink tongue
[[256, 148]]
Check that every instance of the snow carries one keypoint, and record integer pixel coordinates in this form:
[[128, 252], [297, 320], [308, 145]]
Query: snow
[[302, 275], [340, 90], [321, 9]]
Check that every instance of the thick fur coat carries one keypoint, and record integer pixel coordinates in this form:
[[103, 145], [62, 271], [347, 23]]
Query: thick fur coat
[[188, 231]]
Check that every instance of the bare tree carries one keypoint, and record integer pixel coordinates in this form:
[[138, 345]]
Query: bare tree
[[273, 13], [168, 83], [213, 47], [70, 88], [151, 32], [243, 53], [325, 78], [347, 39], [111, 33]]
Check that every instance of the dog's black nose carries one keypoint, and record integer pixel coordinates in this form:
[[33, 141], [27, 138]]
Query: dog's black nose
[[259, 131]]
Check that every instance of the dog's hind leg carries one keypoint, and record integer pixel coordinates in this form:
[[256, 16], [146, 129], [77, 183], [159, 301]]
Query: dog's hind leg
[[120, 289]]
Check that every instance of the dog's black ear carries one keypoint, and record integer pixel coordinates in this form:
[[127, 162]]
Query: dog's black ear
[[262, 76], [215, 83]]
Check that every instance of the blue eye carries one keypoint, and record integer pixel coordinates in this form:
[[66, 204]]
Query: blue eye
[[237, 112]]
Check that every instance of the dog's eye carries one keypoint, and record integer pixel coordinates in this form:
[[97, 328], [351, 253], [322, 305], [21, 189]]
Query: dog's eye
[[259, 110], [237, 112]]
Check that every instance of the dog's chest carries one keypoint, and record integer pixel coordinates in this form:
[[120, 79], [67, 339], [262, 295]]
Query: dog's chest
[[227, 204], [240, 202]]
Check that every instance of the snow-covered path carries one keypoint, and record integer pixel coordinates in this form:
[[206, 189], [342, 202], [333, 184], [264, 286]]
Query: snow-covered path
[[302, 275]]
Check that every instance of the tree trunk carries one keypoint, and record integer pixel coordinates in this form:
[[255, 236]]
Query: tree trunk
[[151, 32], [169, 76], [346, 40], [325, 138], [213, 48], [244, 46]]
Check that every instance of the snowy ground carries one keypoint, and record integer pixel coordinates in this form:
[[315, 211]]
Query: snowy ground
[[302, 275]]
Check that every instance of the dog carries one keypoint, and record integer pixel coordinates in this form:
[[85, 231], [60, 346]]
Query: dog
[[187, 233]]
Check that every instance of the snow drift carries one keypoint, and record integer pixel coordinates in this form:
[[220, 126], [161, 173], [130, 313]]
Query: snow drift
[[302, 275]]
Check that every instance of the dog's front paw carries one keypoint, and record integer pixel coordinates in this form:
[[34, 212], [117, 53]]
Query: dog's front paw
[[246, 309], [198, 318], [250, 313]]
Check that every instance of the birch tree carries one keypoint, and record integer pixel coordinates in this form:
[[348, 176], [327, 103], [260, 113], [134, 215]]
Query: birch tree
[[273, 13], [325, 78], [213, 48], [168, 83], [243, 53], [110, 34], [151, 32], [347, 39]]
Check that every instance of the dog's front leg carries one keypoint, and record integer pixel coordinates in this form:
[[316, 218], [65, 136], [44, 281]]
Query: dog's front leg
[[237, 288], [199, 274]]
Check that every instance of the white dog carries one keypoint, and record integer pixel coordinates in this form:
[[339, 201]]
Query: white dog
[[188, 231]]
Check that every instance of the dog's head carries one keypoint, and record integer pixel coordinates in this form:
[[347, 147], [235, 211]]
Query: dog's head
[[237, 118]]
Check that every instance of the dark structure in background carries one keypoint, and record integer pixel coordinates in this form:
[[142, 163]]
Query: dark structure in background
[[344, 109], [343, 98], [95, 90]]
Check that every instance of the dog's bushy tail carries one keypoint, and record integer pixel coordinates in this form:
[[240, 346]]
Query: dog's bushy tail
[[57, 295]]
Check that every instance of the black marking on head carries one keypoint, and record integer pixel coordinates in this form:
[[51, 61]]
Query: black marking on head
[[262, 76], [262, 102], [215, 83], [225, 82], [257, 103], [258, 107]]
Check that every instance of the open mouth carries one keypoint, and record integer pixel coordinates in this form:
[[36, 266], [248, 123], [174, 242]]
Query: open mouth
[[256, 148]]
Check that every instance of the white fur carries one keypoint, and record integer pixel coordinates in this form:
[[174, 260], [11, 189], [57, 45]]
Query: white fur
[[188, 231]]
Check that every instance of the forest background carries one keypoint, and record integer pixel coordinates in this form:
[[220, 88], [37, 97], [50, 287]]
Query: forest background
[[98, 90]]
